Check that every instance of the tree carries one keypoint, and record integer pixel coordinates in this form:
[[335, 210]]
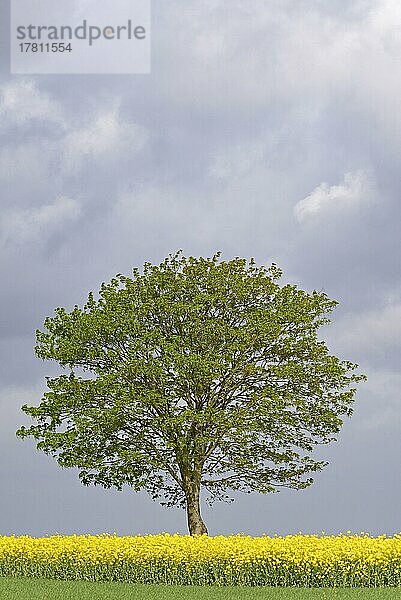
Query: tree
[[197, 373]]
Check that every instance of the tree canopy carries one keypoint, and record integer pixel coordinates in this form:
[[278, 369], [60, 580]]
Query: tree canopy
[[195, 374]]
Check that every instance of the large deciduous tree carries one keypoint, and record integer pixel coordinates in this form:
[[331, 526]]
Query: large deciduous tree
[[197, 373]]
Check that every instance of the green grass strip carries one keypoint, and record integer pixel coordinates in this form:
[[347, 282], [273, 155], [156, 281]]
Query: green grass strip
[[19, 588]]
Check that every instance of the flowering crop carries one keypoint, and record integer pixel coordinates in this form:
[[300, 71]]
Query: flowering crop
[[294, 560]]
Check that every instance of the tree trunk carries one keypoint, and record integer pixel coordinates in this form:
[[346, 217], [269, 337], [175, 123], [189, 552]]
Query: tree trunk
[[196, 525]]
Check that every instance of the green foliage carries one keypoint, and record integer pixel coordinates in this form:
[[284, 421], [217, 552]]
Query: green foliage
[[197, 371]]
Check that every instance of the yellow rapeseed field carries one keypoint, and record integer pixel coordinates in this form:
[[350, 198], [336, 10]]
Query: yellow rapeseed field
[[294, 560]]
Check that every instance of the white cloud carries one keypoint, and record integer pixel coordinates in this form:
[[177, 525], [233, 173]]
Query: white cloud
[[103, 137], [355, 190], [107, 138], [22, 101], [384, 20], [262, 55], [34, 224]]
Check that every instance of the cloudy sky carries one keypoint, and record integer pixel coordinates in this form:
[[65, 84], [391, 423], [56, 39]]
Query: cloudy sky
[[269, 129]]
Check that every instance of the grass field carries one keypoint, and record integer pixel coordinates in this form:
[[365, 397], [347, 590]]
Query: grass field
[[41, 589]]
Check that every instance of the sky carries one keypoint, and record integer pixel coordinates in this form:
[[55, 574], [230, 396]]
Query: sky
[[266, 129]]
